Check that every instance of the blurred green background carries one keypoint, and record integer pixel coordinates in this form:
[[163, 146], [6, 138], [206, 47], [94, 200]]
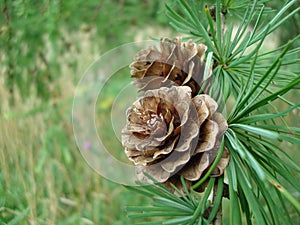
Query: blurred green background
[[45, 47]]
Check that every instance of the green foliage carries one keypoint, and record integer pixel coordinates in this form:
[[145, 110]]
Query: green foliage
[[19, 218], [45, 46], [180, 208], [256, 158], [229, 48], [34, 37], [261, 175], [292, 29], [43, 179]]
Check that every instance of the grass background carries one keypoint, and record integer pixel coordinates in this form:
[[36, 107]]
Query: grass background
[[43, 177], [46, 48]]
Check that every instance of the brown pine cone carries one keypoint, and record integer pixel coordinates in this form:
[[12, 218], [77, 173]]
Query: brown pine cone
[[168, 134], [175, 62]]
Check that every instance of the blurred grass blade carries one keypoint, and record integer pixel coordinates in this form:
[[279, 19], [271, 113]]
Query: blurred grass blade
[[19, 218]]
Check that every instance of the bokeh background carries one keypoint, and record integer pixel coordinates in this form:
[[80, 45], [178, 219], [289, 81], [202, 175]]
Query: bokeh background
[[45, 48]]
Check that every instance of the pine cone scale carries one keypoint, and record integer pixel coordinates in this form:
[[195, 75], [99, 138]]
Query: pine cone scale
[[174, 62], [171, 130]]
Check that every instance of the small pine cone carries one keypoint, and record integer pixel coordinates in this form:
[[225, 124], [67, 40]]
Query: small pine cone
[[175, 62], [168, 134]]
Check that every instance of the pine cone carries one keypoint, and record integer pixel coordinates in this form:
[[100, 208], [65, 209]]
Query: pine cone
[[175, 62], [169, 134]]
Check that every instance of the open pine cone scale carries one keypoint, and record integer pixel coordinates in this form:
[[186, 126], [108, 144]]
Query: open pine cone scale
[[175, 62], [171, 129], [169, 133]]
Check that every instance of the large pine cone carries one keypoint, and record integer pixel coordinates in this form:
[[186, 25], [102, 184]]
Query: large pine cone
[[175, 62], [168, 134]]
